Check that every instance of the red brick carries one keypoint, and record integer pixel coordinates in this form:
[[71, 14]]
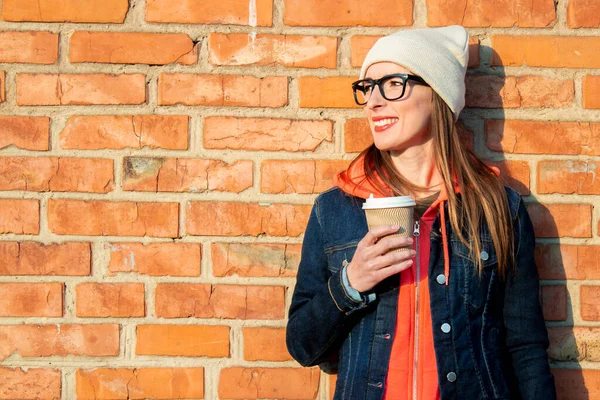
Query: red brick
[[59, 340], [497, 14], [259, 383], [183, 340], [301, 176], [29, 133], [590, 303], [467, 137], [359, 47], [265, 134], [186, 175], [30, 258], [263, 49], [546, 51], [568, 177], [21, 216], [110, 300], [44, 174], [533, 137], [31, 299], [140, 383], [32, 47], [80, 89], [473, 53], [579, 343], [554, 302], [357, 135], [583, 14], [211, 12], [126, 131], [244, 219], [591, 91], [265, 344], [348, 13], [222, 90], [132, 48], [514, 174], [577, 384], [561, 220], [184, 300], [156, 259], [31, 383], [255, 259], [2, 86], [330, 92], [96, 217], [106, 11], [568, 261], [492, 91]]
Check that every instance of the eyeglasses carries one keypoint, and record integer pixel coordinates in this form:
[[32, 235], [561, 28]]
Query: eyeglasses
[[391, 87]]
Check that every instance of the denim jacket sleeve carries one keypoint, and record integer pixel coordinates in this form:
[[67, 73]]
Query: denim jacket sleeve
[[526, 334], [321, 307]]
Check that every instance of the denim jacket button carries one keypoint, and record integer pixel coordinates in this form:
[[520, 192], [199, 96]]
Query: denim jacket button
[[484, 255], [446, 328], [451, 376], [441, 279]]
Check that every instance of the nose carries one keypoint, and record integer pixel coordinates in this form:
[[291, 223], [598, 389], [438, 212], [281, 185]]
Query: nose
[[376, 99]]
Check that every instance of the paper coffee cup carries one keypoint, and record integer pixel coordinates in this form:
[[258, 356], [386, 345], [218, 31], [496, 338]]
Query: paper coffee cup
[[397, 210]]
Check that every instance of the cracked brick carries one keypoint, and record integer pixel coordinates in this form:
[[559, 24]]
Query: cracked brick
[[132, 48], [265, 134]]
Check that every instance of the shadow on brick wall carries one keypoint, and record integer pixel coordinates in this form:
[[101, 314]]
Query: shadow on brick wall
[[489, 93]]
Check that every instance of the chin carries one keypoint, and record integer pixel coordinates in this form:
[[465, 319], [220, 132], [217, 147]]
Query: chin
[[387, 146]]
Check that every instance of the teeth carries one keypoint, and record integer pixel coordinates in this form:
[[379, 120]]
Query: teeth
[[384, 122]]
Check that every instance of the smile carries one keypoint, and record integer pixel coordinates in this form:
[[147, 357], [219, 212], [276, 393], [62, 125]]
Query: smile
[[384, 123]]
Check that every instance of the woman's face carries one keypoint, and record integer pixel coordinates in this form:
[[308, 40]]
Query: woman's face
[[400, 124]]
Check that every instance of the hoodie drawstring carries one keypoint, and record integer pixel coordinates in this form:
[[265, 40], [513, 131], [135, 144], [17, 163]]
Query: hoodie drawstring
[[445, 243]]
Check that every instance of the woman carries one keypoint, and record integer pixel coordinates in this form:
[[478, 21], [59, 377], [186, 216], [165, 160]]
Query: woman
[[459, 316]]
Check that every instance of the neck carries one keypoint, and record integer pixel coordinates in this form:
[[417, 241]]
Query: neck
[[417, 164]]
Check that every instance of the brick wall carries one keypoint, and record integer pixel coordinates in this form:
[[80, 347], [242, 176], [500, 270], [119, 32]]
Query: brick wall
[[159, 159]]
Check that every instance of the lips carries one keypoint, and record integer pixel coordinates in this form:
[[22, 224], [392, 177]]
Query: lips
[[381, 124]]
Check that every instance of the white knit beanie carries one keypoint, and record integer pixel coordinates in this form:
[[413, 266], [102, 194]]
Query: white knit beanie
[[438, 55]]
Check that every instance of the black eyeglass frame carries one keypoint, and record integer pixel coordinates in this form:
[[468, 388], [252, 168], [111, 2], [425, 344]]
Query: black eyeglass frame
[[378, 82]]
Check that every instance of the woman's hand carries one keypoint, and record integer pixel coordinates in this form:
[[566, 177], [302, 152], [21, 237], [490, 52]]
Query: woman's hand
[[371, 265]]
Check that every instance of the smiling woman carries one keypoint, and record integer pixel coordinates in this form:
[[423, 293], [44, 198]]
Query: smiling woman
[[456, 317]]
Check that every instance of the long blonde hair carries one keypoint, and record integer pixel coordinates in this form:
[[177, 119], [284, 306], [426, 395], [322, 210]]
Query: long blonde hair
[[482, 197]]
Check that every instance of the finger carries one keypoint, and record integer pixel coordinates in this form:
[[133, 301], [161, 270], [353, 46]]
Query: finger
[[386, 244], [391, 258], [377, 232], [393, 269]]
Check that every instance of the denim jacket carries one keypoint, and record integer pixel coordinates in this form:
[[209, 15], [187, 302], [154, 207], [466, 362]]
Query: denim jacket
[[496, 348]]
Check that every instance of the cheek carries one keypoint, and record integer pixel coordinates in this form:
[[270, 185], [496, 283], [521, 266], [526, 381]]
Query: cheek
[[423, 112]]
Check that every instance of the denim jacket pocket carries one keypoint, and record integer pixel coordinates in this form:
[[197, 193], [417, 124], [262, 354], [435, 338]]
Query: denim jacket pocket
[[339, 256], [476, 285]]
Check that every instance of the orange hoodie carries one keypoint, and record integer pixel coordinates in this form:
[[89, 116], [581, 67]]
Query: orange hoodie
[[412, 371]]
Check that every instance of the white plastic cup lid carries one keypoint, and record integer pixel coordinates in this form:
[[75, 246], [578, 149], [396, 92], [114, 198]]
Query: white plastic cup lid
[[388, 202]]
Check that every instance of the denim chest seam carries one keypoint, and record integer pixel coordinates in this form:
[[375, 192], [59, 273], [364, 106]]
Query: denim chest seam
[[485, 358], [466, 305]]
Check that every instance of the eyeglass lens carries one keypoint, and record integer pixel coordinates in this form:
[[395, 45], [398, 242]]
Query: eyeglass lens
[[392, 88]]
